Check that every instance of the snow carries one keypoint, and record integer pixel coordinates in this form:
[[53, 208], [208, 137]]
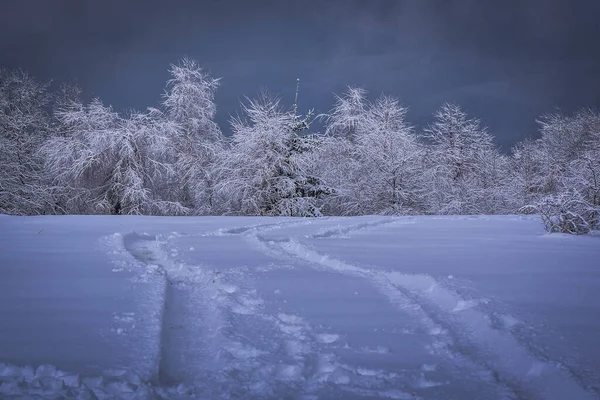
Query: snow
[[255, 307]]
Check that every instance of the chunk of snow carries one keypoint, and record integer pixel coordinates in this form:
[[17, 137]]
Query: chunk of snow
[[326, 338], [536, 369], [462, 305], [289, 372], [429, 367], [290, 319]]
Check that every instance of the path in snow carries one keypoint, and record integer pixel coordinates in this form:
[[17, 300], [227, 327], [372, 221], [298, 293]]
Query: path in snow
[[187, 348]]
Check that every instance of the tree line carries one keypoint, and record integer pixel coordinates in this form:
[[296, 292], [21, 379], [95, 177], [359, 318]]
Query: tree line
[[61, 156]]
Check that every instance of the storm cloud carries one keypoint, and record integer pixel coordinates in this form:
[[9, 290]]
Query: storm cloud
[[506, 62]]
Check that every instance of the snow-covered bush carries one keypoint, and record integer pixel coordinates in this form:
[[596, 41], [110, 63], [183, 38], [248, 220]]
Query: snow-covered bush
[[567, 212], [564, 171]]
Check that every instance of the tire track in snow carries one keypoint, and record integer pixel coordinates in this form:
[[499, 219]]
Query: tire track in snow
[[286, 248], [190, 319], [145, 256], [311, 369], [342, 231], [444, 337], [266, 245], [468, 331], [231, 363], [190, 350], [247, 229], [476, 337], [146, 324]]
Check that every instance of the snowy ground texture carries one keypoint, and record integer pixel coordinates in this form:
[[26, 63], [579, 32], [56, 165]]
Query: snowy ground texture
[[331, 308]]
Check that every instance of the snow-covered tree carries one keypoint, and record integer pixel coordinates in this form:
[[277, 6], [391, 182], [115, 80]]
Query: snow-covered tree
[[347, 118], [265, 172], [566, 141], [460, 158], [390, 157], [490, 178], [371, 156], [189, 103], [67, 95], [24, 125], [569, 150], [525, 181], [338, 160], [335, 162], [59, 155], [111, 164]]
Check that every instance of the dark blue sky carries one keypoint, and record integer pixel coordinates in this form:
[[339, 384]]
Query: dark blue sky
[[505, 61]]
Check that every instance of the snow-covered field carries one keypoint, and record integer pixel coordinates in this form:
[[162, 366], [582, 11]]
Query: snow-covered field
[[330, 308]]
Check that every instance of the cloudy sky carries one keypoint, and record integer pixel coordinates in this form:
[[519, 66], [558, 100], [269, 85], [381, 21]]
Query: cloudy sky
[[505, 61]]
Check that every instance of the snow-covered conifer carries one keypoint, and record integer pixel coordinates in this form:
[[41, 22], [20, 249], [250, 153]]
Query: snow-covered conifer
[[265, 172]]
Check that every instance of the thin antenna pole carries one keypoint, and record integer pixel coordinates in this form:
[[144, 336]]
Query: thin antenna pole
[[296, 97]]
